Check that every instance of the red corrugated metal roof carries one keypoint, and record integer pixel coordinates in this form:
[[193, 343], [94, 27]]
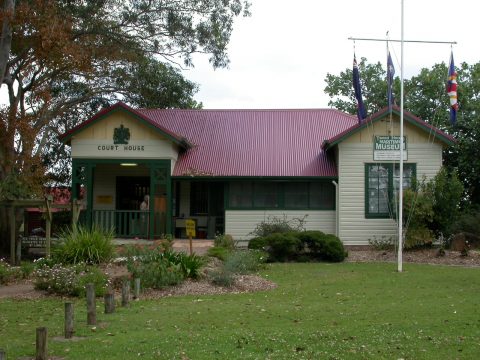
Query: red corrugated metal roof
[[254, 142]]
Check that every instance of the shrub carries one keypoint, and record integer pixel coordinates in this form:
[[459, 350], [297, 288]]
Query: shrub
[[301, 246], [81, 245], [314, 241], [257, 243], [274, 225], [70, 280], [225, 241], [333, 249], [244, 261], [157, 268], [157, 274], [218, 252], [222, 277], [7, 273], [282, 247], [190, 265], [382, 243]]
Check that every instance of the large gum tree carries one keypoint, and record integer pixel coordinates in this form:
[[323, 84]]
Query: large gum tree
[[61, 60]]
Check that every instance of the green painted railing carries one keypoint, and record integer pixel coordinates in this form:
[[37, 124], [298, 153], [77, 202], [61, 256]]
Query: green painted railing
[[131, 223]]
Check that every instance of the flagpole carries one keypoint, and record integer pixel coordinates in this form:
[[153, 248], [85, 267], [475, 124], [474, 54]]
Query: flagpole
[[400, 187]]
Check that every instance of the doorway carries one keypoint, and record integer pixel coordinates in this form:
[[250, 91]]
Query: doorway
[[130, 191]]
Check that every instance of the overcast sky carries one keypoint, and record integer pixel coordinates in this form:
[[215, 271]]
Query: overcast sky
[[281, 55]]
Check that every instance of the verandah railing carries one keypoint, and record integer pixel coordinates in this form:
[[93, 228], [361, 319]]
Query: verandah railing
[[131, 223]]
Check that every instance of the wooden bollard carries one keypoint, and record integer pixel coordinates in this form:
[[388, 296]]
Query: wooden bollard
[[91, 309], [3, 356], [136, 289], [41, 344], [68, 320], [109, 303], [125, 293]]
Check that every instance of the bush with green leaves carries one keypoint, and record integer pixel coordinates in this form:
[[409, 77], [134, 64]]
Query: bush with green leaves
[[244, 261], [301, 245], [224, 240], [275, 225], [157, 268], [220, 253], [7, 273], [82, 245], [222, 277], [69, 279]]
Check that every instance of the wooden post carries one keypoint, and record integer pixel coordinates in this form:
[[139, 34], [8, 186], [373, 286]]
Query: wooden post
[[41, 344], [91, 309], [109, 303], [125, 293], [11, 215], [3, 356], [136, 288], [68, 320], [190, 243], [76, 205], [48, 230]]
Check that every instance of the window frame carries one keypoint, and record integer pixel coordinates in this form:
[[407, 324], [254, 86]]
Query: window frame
[[280, 205], [390, 191]]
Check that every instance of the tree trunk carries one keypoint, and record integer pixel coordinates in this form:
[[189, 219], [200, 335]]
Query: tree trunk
[[6, 37]]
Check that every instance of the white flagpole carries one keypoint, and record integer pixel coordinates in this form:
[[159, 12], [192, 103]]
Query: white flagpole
[[400, 188]]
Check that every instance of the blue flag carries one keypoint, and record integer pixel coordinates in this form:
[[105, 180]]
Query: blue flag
[[361, 112], [390, 74]]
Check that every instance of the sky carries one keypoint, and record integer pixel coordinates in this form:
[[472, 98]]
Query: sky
[[280, 56]]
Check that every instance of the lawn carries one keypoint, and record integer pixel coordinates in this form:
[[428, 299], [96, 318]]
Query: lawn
[[318, 311]]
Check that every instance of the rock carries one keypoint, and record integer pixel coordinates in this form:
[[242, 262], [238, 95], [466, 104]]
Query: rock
[[461, 240]]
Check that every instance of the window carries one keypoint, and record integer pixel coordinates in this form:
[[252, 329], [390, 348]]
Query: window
[[281, 195], [381, 187]]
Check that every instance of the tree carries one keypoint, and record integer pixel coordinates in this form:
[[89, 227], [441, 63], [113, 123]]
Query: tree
[[64, 57], [425, 96]]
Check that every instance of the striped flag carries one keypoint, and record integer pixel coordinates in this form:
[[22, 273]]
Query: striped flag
[[452, 90], [390, 74], [361, 112]]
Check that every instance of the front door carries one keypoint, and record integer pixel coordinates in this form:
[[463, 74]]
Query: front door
[[130, 221]]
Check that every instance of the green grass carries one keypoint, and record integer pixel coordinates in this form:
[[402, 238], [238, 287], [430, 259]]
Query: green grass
[[318, 311]]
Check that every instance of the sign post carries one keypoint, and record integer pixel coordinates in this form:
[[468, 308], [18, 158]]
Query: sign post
[[190, 230]]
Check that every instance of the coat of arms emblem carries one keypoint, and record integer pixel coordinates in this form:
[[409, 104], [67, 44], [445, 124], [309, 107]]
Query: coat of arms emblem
[[121, 135]]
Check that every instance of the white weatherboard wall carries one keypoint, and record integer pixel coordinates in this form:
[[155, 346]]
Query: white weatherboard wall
[[354, 153], [239, 223]]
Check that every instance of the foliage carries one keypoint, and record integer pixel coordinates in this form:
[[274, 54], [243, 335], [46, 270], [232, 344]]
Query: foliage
[[225, 241], [222, 277], [7, 273], [417, 218], [431, 208], [298, 245], [446, 192], [274, 224], [425, 97], [244, 261], [63, 61], [69, 279], [382, 243], [81, 244], [218, 252], [158, 268], [468, 222]]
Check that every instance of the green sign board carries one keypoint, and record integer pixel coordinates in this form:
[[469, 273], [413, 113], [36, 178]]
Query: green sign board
[[388, 148]]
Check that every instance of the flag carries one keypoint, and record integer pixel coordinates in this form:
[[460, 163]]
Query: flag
[[361, 112], [452, 91], [390, 73]]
